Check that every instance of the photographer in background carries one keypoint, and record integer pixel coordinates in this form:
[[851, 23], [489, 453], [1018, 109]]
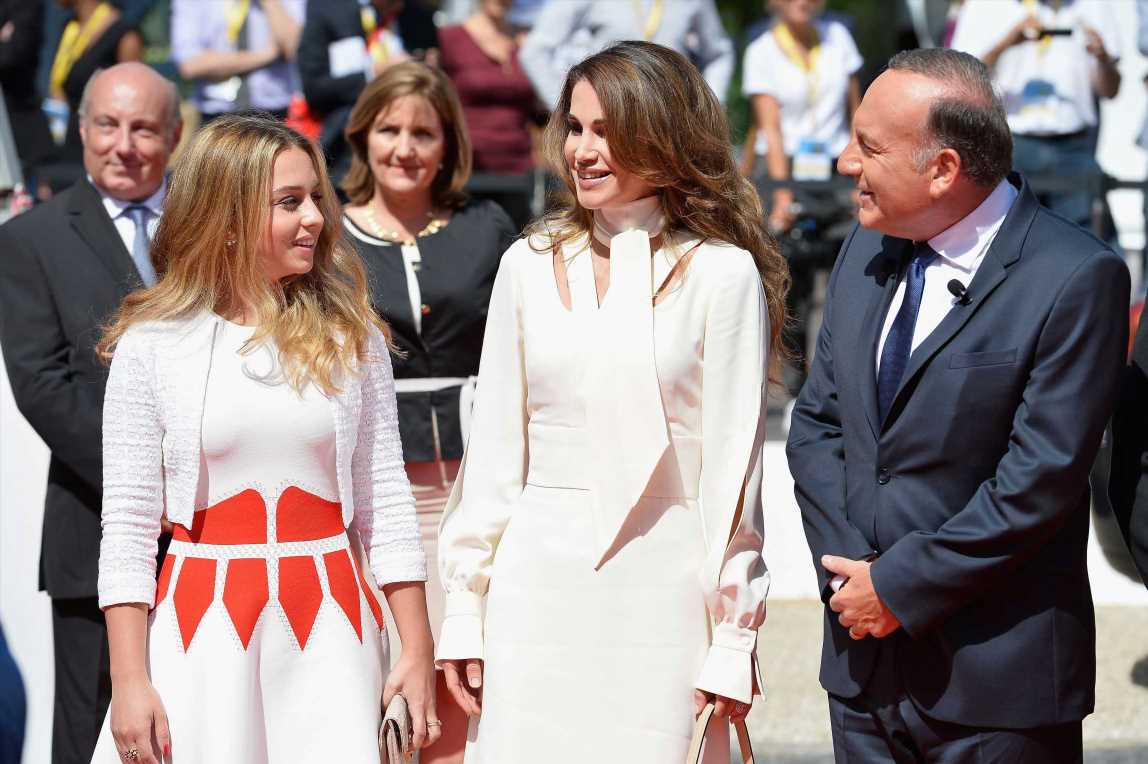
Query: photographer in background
[[1051, 60]]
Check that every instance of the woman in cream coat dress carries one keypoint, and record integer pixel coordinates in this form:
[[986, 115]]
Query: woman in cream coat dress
[[602, 548]]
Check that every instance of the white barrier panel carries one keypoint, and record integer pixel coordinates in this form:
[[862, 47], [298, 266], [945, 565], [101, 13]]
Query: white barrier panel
[[25, 612]]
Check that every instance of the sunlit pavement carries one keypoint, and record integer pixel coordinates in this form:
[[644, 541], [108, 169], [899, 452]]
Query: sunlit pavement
[[791, 725]]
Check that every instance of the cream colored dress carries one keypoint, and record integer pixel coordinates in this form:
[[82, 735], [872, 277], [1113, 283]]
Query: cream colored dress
[[595, 622]]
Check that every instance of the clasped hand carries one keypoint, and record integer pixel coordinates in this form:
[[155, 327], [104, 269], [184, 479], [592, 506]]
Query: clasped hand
[[859, 608]]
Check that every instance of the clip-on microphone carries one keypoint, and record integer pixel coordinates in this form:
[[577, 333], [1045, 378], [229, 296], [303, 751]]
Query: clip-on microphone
[[960, 291]]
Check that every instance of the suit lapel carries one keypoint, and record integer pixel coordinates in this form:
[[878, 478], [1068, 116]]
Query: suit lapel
[[1003, 252], [87, 216], [883, 269]]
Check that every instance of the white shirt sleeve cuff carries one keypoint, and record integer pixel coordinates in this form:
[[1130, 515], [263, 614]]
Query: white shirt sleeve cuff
[[461, 635], [393, 568], [731, 666], [127, 589]]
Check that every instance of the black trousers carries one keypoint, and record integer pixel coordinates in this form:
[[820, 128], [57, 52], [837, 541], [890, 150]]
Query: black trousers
[[883, 725], [83, 678]]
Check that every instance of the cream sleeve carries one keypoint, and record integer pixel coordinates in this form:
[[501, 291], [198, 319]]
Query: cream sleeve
[[493, 471], [734, 387]]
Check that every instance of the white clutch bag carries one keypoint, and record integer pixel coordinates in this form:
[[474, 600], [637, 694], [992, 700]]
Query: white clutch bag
[[396, 732], [695, 753]]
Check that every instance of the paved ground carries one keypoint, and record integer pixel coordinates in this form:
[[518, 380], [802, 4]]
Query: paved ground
[[792, 725]]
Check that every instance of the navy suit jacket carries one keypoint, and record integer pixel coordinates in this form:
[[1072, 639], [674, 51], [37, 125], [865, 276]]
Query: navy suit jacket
[[973, 491]]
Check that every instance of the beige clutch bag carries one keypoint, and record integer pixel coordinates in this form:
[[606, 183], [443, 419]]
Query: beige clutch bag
[[395, 734], [695, 754]]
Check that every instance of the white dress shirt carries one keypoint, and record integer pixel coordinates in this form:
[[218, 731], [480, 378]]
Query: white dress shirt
[[960, 248], [117, 211]]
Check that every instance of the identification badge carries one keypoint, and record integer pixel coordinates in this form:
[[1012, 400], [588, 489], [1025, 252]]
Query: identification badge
[[1037, 98], [57, 112], [812, 161], [227, 90]]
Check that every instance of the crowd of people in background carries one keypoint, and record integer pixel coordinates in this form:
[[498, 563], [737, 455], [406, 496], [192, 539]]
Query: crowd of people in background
[[407, 111], [800, 69]]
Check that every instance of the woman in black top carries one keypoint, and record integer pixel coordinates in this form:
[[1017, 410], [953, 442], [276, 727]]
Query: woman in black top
[[431, 253], [431, 257]]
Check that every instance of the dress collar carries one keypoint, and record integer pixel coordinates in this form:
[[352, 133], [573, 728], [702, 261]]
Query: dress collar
[[643, 214]]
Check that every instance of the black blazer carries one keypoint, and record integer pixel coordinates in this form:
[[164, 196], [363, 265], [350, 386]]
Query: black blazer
[[974, 490], [1128, 481], [63, 272], [331, 98], [457, 273]]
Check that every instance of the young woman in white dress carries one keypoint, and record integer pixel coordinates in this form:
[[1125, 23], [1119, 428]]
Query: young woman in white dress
[[602, 547], [251, 404]]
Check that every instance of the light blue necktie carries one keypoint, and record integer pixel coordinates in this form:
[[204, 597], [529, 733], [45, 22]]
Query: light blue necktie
[[141, 245], [899, 343]]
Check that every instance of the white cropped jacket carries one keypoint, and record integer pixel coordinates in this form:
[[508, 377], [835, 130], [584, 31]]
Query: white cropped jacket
[[153, 408]]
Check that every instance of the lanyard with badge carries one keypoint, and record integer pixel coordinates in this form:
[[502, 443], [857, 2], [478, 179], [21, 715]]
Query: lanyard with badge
[[811, 161], [228, 89], [652, 20], [375, 35], [73, 43], [1038, 98]]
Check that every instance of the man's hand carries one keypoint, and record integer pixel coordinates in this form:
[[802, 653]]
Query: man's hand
[[1094, 44], [861, 610]]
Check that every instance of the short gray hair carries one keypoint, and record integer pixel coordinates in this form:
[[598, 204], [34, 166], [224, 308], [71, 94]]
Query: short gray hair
[[969, 120], [173, 118]]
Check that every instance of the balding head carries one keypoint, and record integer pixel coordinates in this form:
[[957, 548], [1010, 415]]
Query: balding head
[[129, 124], [964, 112], [930, 142]]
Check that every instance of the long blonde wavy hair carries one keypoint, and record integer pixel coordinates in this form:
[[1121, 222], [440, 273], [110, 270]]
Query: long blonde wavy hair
[[206, 253], [665, 125]]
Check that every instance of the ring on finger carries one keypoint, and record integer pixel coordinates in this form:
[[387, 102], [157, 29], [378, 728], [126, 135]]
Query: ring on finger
[[435, 723], [130, 754]]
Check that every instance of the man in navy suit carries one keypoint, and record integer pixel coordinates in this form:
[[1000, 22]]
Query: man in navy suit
[[971, 349]]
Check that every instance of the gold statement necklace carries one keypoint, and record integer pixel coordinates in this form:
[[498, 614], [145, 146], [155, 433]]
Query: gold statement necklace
[[434, 225]]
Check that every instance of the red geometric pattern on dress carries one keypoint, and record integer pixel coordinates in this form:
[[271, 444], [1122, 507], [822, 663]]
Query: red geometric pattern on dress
[[303, 516], [300, 594], [241, 519], [164, 579], [194, 592], [344, 587], [245, 595], [372, 603]]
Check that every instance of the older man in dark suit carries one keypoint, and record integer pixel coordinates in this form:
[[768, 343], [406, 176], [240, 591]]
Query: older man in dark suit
[[970, 353], [64, 268]]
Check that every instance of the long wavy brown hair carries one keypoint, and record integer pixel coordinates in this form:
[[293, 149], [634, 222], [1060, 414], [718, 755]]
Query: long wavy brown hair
[[206, 253], [665, 125]]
